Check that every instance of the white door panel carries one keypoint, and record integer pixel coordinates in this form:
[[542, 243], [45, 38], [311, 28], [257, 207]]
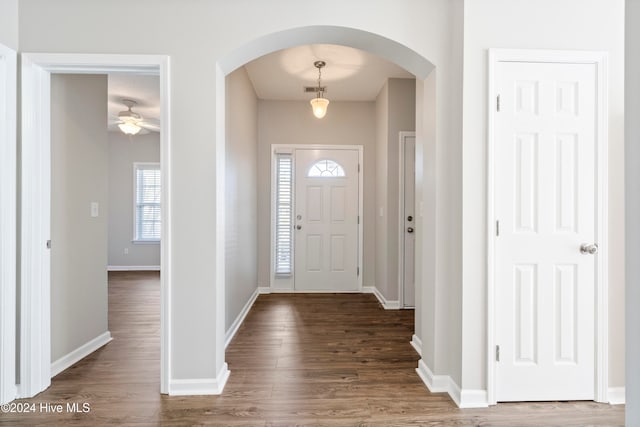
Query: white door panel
[[409, 218], [326, 220], [545, 186]]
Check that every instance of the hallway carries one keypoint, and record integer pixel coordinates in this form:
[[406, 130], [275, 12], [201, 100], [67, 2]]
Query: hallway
[[298, 359]]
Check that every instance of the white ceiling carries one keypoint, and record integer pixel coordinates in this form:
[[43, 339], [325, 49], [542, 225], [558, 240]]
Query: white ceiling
[[350, 75]]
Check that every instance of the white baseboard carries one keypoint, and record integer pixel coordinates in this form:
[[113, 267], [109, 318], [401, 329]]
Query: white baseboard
[[261, 290], [387, 305], [416, 343], [281, 291], [616, 395], [435, 383], [200, 386], [473, 399], [133, 268], [79, 353], [445, 384], [233, 329]]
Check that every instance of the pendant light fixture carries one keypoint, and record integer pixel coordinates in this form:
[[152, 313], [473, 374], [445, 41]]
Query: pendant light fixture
[[319, 103]]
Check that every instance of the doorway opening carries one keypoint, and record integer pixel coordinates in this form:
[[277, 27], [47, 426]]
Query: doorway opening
[[115, 177], [238, 69], [36, 328]]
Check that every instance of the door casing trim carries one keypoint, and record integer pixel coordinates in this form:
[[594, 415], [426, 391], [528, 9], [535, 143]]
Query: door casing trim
[[8, 201], [600, 60]]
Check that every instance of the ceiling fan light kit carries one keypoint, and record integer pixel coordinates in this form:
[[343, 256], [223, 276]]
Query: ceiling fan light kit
[[129, 128], [132, 123], [319, 104], [129, 118]]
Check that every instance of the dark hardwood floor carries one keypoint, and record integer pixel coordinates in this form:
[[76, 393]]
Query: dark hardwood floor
[[314, 359]]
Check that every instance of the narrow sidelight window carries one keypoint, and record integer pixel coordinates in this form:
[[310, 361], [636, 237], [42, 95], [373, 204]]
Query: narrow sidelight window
[[284, 214]]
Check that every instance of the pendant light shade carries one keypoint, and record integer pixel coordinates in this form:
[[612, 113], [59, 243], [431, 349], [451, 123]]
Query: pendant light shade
[[319, 104]]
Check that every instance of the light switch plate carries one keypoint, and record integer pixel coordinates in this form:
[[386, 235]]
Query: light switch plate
[[94, 209]]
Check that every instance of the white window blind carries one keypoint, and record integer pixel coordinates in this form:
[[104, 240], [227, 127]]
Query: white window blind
[[147, 221], [284, 214]]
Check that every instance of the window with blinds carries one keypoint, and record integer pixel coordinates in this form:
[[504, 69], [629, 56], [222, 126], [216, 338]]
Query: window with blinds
[[147, 221], [284, 215]]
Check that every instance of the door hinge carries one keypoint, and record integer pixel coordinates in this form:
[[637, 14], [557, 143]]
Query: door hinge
[[498, 103], [358, 271], [497, 227], [358, 167], [358, 219], [497, 353], [48, 244]]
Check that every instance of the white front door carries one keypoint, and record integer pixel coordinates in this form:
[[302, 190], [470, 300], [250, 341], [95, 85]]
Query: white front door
[[408, 219], [326, 220], [545, 206]]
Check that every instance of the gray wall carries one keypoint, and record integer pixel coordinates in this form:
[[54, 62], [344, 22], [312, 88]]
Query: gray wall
[[632, 183], [395, 112], [123, 152], [79, 171], [9, 23], [241, 231], [291, 122]]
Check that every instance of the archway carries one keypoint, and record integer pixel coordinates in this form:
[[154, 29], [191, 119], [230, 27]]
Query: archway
[[372, 43]]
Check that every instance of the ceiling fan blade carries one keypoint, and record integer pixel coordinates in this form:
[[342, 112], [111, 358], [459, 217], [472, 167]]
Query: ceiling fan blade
[[149, 126]]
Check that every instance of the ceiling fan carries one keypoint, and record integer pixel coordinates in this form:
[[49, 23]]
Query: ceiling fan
[[132, 123]]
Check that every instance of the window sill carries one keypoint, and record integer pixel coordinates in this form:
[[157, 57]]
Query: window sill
[[145, 242]]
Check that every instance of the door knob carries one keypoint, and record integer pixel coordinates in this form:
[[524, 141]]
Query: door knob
[[409, 218], [587, 249], [409, 229], [298, 227]]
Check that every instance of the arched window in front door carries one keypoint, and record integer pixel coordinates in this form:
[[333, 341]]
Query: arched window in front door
[[326, 169]]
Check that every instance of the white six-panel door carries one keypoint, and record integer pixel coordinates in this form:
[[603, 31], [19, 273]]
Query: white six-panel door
[[545, 207], [326, 220]]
